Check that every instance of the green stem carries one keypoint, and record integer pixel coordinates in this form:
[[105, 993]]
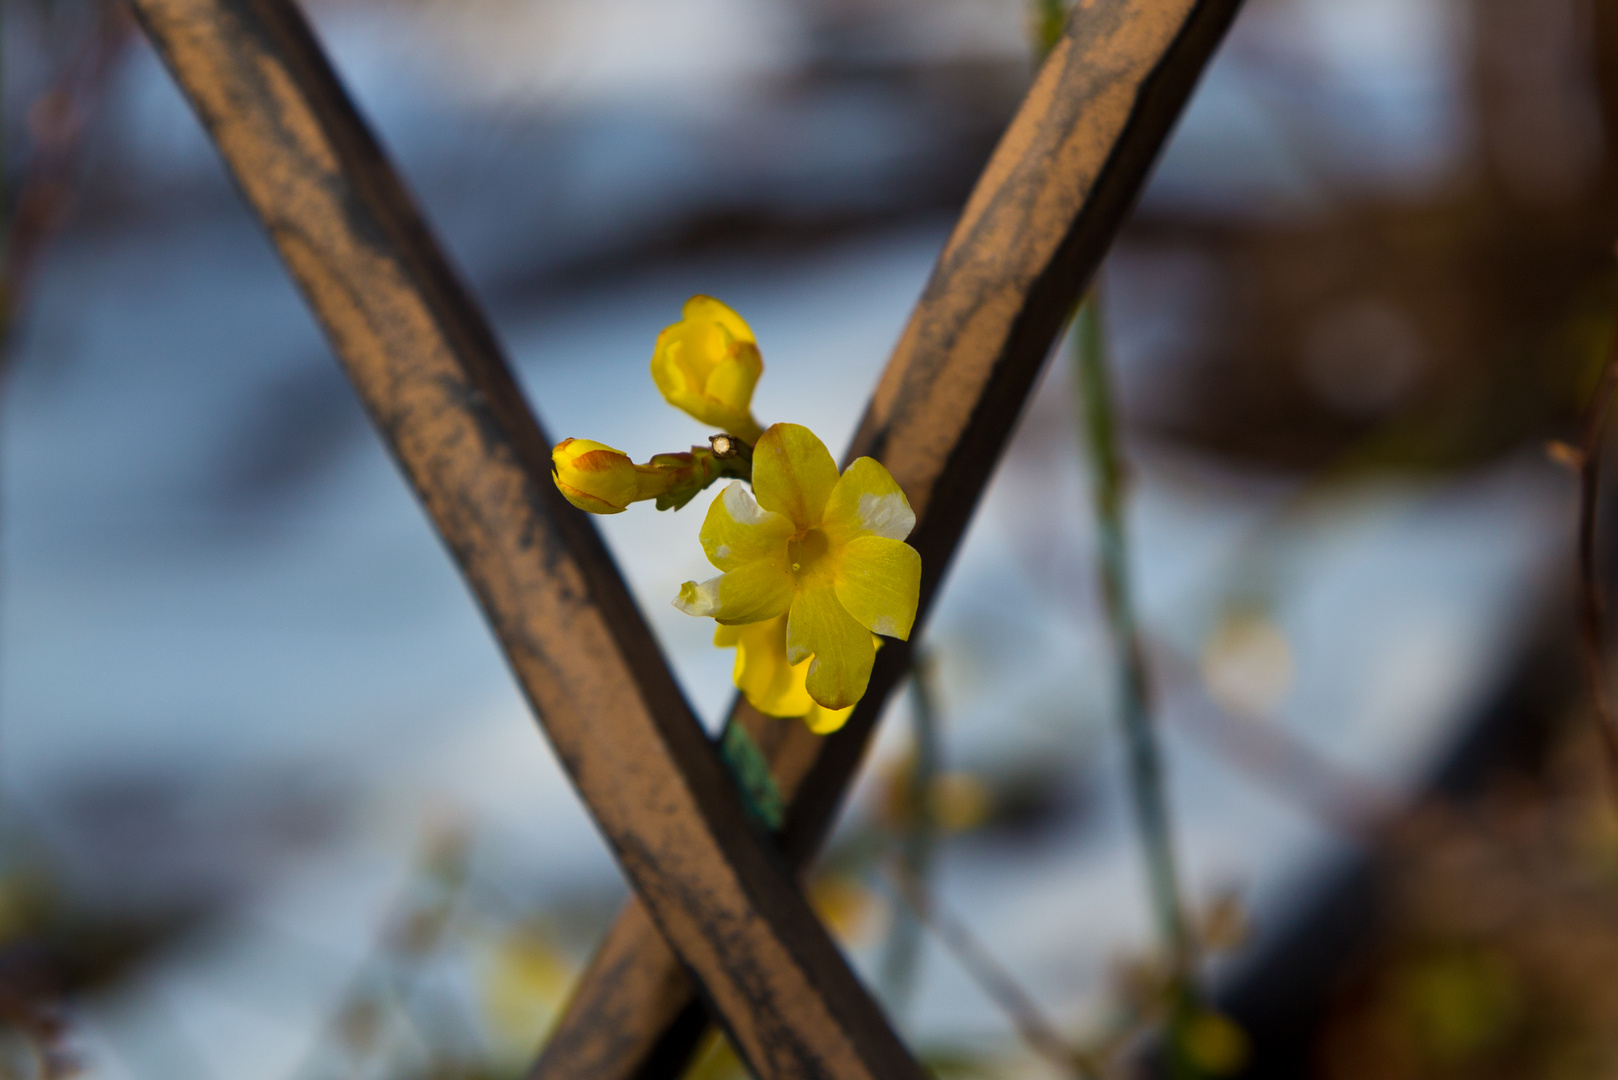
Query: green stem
[[1147, 790], [679, 478]]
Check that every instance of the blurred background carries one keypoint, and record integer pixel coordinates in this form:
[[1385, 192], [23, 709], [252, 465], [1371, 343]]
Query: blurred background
[[271, 806]]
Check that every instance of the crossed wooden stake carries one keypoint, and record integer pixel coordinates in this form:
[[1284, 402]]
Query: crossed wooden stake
[[718, 927]]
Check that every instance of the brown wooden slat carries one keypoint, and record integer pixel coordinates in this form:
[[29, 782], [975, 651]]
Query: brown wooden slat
[[1047, 207], [434, 380]]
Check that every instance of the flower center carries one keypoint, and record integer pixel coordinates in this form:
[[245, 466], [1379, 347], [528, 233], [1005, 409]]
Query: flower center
[[808, 552]]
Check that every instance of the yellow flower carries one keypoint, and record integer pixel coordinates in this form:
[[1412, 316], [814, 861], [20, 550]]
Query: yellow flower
[[526, 980], [773, 685], [824, 551], [595, 477], [707, 365]]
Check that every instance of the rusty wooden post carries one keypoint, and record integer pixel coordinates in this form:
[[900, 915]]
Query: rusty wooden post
[[1051, 200], [434, 381]]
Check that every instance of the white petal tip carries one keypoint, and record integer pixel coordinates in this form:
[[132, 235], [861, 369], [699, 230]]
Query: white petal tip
[[887, 515], [742, 506], [699, 598]]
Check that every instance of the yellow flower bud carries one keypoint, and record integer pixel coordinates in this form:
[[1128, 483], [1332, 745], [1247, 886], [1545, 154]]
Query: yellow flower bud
[[707, 365], [594, 476]]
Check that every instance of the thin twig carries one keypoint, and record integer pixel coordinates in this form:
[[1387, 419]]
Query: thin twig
[[1032, 1025], [57, 121], [920, 830], [1099, 415], [411, 936], [1592, 630], [1274, 756], [1100, 423], [43, 1033]]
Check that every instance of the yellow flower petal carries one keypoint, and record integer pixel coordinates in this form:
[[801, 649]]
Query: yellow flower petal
[[730, 385], [824, 721], [706, 309], [879, 584], [772, 685], [842, 648], [793, 474], [757, 590], [866, 502], [738, 531]]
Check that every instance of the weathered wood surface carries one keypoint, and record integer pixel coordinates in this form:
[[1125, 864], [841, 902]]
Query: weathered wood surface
[[1048, 205], [434, 381]]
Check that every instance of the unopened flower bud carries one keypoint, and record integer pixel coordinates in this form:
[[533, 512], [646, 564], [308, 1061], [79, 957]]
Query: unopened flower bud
[[707, 365], [594, 476]]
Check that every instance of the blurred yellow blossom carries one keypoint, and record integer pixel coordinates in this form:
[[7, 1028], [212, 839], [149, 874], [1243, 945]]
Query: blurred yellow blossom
[[849, 909], [960, 801], [825, 551], [1215, 1044], [707, 365], [1247, 664], [526, 980]]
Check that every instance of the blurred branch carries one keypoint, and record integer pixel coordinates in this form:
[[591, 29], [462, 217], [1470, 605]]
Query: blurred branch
[[1274, 757], [1100, 424], [410, 938], [43, 1034], [1099, 416], [57, 122], [1031, 1024], [1592, 630], [918, 821]]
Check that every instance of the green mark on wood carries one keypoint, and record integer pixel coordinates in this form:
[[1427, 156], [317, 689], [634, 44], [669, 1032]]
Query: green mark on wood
[[752, 774]]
